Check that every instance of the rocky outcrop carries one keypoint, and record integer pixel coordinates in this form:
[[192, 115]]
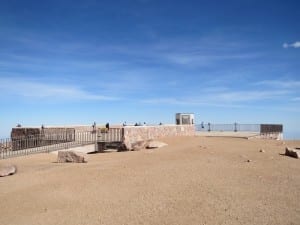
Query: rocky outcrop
[[7, 170], [122, 148], [139, 145], [292, 152], [156, 144], [125, 146], [70, 156], [138, 133]]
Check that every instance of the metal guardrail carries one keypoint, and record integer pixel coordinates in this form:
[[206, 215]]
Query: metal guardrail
[[271, 128], [110, 135], [236, 127], [36, 144], [17, 146]]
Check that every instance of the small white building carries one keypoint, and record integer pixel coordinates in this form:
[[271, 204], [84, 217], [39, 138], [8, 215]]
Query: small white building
[[185, 118]]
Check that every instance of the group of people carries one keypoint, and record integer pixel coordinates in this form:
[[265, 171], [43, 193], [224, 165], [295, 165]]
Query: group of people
[[136, 124], [124, 124], [106, 126]]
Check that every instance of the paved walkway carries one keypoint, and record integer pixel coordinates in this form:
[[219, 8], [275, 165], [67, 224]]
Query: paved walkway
[[83, 149], [227, 134]]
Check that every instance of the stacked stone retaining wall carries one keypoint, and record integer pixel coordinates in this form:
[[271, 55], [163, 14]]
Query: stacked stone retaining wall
[[272, 136], [139, 133], [23, 138]]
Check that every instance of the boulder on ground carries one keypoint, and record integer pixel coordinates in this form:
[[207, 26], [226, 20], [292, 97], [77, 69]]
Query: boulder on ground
[[70, 156], [125, 146], [122, 147], [7, 170], [156, 144], [292, 152], [139, 145]]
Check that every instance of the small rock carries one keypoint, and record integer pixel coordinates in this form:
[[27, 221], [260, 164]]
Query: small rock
[[249, 160], [261, 150], [8, 170], [292, 152]]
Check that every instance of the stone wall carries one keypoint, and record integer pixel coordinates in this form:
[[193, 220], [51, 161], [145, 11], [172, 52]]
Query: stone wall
[[273, 136], [77, 128], [271, 128], [139, 133], [17, 133], [271, 131], [27, 132], [26, 137]]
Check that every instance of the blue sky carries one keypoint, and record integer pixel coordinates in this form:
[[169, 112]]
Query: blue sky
[[76, 62]]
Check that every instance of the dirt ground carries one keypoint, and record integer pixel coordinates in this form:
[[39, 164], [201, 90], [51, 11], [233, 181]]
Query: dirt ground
[[194, 180]]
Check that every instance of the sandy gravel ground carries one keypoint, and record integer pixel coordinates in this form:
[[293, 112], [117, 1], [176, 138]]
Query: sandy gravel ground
[[194, 180]]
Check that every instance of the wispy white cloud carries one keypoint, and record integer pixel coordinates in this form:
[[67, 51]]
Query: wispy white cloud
[[201, 52], [204, 59], [39, 90], [186, 101], [296, 99], [249, 96], [292, 45], [220, 98], [283, 84], [195, 52], [172, 83], [169, 101]]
